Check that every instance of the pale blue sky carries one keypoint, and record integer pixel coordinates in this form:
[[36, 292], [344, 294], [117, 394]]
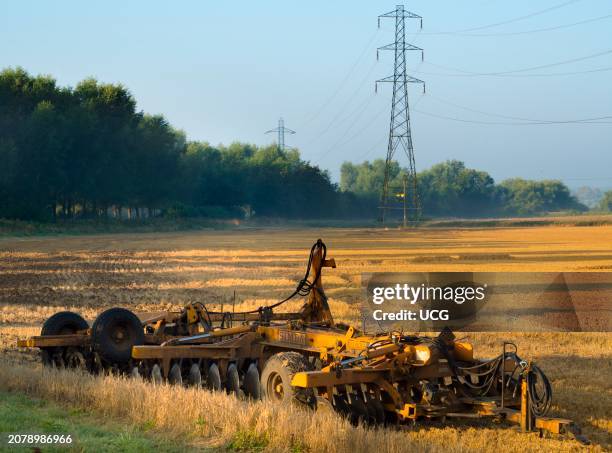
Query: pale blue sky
[[225, 71]]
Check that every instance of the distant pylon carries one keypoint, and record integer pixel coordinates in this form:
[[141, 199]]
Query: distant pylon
[[281, 130], [399, 131]]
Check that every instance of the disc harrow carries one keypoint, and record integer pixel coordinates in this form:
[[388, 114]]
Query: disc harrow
[[306, 358]]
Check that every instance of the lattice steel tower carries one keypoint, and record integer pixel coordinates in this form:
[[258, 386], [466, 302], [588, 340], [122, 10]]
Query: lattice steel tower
[[281, 130], [399, 132]]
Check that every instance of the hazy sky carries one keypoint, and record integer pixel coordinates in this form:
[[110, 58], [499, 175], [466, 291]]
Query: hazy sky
[[226, 71]]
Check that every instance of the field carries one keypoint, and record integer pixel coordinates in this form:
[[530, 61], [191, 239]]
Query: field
[[253, 267]]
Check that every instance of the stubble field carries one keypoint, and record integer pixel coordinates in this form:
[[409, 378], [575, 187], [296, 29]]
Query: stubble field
[[87, 274]]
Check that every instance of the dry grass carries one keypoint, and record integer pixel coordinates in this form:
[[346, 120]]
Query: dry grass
[[160, 271], [215, 420]]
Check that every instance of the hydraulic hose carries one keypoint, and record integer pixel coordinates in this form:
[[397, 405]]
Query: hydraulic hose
[[540, 402], [304, 286]]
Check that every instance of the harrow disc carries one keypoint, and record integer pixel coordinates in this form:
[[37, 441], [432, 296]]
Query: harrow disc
[[135, 373], [379, 410], [213, 378], [174, 376], [233, 380], [341, 406], [359, 412], [156, 375], [195, 376], [371, 418], [252, 386], [324, 406]]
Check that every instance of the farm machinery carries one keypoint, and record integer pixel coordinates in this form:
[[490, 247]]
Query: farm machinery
[[386, 378]]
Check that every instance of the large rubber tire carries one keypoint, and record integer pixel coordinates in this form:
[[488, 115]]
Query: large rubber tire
[[114, 332], [277, 375], [61, 323]]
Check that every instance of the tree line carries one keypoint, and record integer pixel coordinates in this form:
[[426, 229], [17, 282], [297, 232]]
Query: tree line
[[87, 152], [451, 189]]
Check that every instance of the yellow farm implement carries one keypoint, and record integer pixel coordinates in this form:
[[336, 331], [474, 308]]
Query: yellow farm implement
[[386, 378]]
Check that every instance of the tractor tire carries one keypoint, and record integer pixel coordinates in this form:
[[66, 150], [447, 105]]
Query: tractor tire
[[114, 332], [277, 375], [62, 323], [252, 386]]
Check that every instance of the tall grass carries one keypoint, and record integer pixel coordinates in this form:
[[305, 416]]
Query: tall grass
[[215, 420]]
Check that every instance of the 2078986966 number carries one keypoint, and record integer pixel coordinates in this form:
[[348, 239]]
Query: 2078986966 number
[[39, 439]]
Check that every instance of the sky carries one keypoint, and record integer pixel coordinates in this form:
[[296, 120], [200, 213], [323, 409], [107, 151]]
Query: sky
[[226, 71]]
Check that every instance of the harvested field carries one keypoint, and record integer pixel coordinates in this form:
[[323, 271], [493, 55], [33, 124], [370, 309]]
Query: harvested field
[[154, 271]]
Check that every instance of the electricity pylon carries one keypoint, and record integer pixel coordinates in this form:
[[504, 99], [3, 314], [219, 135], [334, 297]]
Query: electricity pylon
[[281, 130], [399, 131]]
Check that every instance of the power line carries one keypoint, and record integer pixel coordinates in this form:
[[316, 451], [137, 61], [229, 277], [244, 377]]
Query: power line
[[550, 74], [590, 178], [344, 80], [505, 22], [339, 143], [377, 147], [539, 121], [370, 123], [526, 32], [331, 123], [506, 123], [464, 73], [379, 143]]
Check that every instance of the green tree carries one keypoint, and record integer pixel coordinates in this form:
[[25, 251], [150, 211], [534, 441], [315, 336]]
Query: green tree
[[451, 189], [524, 197], [606, 202]]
